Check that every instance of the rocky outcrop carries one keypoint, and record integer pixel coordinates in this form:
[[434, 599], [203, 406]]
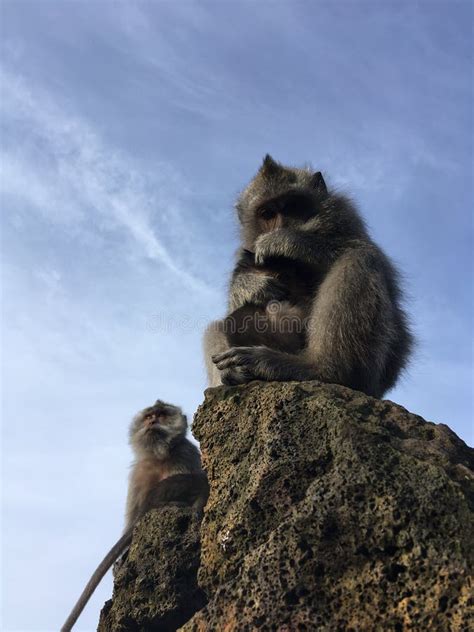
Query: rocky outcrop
[[329, 510], [155, 584]]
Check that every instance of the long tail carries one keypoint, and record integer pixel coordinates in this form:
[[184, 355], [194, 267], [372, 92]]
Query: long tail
[[94, 581]]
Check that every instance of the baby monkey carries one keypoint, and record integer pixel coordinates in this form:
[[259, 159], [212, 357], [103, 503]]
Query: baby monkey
[[167, 470], [278, 323], [276, 319]]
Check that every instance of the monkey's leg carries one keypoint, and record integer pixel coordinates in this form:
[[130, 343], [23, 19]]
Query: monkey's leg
[[215, 342], [351, 326], [186, 490]]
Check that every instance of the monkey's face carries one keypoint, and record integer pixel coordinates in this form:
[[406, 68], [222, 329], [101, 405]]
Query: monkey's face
[[157, 427], [289, 210], [279, 197]]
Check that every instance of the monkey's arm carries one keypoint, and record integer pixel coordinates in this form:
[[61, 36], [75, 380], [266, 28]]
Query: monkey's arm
[[249, 284], [299, 245], [191, 490], [118, 548]]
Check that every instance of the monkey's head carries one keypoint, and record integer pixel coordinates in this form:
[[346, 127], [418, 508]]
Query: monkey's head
[[279, 197], [157, 428]]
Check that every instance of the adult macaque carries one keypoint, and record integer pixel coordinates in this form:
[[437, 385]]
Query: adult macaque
[[309, 247]]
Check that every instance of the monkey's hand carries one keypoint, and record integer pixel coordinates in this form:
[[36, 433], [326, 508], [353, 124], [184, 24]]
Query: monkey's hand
[[240, 365], [285, 242]]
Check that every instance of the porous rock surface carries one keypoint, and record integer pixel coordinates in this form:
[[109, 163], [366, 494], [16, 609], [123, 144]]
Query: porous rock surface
[[329, 510], [155, 585]]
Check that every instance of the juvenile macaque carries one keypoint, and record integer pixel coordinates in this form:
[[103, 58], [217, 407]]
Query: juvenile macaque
[[311, 250], [167, 470], [278, 325]]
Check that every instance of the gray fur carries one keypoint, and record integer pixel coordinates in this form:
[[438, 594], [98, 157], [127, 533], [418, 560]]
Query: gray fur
[[356, 330], [167, 471], [166, 450]]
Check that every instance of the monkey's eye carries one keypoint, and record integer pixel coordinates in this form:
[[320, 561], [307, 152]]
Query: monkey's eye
[[267, 213]]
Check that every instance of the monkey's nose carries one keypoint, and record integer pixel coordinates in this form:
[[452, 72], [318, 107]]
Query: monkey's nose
[[150, 420]]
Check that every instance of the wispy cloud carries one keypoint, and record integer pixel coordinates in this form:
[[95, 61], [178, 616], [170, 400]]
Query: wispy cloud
[[67, 173]]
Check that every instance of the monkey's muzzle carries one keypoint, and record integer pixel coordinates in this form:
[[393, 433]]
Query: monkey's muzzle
[[154, 420]]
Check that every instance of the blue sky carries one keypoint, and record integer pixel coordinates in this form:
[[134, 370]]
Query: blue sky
[[127, 130]]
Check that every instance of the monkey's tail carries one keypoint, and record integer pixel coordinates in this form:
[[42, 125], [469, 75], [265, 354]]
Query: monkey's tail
[[94, 581]]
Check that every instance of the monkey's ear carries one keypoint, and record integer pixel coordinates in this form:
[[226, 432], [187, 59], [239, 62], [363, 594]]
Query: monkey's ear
[[269, 167], [317, 182]]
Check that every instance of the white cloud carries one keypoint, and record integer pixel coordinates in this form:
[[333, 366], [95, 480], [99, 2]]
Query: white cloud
[[64, 170]]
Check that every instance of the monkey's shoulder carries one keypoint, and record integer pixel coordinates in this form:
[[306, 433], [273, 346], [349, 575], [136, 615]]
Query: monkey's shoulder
[[367, 257]]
